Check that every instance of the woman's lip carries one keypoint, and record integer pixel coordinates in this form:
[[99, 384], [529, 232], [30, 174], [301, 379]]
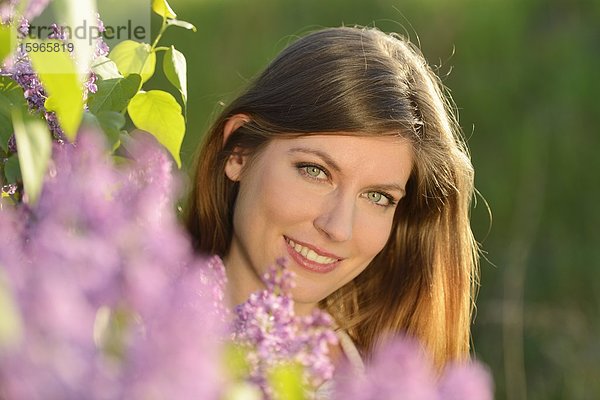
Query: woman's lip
[[317, 250], [308, 264]]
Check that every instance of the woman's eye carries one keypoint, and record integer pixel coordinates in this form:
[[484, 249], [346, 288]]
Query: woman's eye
[[379, 198], [313, 172]]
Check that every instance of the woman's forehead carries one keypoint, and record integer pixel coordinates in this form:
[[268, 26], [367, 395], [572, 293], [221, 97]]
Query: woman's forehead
[[350, 154], [343, 145]]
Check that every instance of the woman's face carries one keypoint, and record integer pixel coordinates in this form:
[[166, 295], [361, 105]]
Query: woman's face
[[325, 202]]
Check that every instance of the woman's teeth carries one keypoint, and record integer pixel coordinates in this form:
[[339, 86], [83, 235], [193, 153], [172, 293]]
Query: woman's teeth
[[309, 254]]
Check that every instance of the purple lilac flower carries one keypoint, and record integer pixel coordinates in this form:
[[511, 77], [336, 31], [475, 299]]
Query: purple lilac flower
[[12, 144], [35, 8], [57, 32], [9, 189], [267, 325], [400, 370], [23, 74], [178, 357], [7, 9], [20, 70], [23, 29], [54, 126], [102, 48], [90, 84], [35, 95], [471, 381], [115, 245]]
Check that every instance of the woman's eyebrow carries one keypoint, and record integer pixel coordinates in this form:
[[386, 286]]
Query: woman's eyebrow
[[324, 156]]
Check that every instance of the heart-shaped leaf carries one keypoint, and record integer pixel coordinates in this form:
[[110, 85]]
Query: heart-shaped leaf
[[132, 57], [158, 113], [106, 68], [114, 94]]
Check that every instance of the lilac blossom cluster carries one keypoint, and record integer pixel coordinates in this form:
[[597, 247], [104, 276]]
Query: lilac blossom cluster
[[400, 370], [20, 70], [110, 299], [267, 325]]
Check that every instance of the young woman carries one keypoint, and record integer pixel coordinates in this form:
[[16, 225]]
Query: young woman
[[344, 157]]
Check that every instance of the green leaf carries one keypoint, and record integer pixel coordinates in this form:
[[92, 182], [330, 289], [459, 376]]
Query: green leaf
[[12, 170], [8, 40], [11, 325], [162, 8], [11, 96], [286, 382], [35, 148], [90, 121], [106, 68], [134, 58], [58, 74], [114, 94], [236, 361], [111, 123], [181, 24], [158, 113], [6, 131], [175, 68]]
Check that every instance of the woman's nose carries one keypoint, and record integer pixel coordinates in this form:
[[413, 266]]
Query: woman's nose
[[336, 217]]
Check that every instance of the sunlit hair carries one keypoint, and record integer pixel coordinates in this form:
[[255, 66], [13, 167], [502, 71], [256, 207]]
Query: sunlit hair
[[361, 81]]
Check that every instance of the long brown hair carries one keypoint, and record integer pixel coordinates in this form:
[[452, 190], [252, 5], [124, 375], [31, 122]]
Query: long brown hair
[[362, 81]]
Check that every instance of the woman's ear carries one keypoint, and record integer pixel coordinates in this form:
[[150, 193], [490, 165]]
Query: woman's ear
[[236, 161], [235, 165], [232, 124]]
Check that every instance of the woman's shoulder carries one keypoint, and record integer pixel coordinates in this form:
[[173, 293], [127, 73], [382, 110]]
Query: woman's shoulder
[[351, 352], [352, 358]]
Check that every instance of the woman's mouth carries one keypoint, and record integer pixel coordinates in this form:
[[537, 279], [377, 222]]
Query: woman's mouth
[[310, 258]]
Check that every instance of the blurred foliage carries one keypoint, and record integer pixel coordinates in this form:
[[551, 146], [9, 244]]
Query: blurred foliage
[[524, 77]]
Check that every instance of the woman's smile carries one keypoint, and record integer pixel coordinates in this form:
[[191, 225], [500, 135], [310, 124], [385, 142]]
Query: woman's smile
[[310, 257]]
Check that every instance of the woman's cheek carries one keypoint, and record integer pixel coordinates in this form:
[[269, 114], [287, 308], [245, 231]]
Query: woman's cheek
[[285, 197], [372, 232], [299, 197]]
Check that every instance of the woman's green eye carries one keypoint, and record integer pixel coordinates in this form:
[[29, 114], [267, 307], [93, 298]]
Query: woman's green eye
[[379, 199], [375, 197], [313, 171]]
